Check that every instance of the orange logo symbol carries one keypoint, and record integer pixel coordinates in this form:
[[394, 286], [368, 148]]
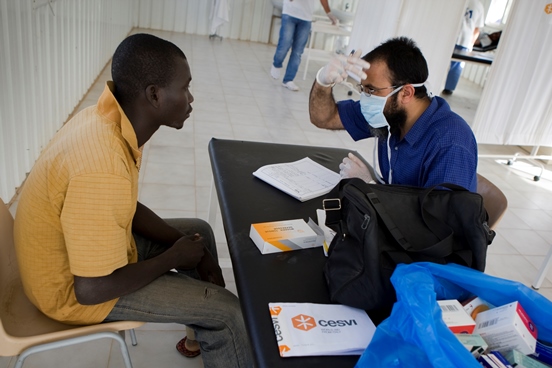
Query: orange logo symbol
[[548, 8], [283, 349], [274, 311], [303, 322]]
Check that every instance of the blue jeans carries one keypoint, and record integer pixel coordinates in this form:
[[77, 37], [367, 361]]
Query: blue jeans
[[455, 71], [294, 34], [213, 312]]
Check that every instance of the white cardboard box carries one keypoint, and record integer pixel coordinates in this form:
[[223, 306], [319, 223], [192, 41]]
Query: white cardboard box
[[283, 236], [455, 317], [474, 343], [307, 329], [506, 328]]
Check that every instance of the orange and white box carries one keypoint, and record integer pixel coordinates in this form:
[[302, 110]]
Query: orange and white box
[[476, 305], [284, 236], [506, 328], [455, 317], [310, 329]]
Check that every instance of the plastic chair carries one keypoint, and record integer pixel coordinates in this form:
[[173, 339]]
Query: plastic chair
[[24, 330], [494, 200], [496, 203]]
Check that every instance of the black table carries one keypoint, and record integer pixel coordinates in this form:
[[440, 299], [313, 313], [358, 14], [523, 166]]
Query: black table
[[473, 56], [279, 277]]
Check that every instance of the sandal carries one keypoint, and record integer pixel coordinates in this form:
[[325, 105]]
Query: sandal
[[181, 347]]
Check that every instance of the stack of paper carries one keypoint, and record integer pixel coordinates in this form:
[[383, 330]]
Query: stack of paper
[[303, 179], [304, 329]]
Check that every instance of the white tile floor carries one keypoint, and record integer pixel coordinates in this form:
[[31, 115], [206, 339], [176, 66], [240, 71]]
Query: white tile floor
[[235, 98]]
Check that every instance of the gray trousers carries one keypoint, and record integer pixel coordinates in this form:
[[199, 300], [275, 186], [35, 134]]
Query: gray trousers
[[213, 312]]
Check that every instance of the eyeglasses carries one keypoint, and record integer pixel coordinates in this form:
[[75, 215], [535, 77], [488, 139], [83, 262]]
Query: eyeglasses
[[370, 91]]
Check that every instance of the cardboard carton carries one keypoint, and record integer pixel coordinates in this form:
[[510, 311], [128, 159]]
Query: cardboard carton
[[506, 328], [283, 236], [455, 317], [474, 343]]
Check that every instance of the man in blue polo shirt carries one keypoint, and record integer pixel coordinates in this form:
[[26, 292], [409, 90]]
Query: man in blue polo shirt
[[428, 144]]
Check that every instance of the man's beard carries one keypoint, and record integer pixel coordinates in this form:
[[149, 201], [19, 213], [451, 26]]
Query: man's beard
[[396, 118]]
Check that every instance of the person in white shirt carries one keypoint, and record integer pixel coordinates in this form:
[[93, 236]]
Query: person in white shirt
[[474, 19], [294, 33]]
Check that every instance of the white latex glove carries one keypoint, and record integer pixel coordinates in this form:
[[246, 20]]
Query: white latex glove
[[333, 18], [336, 70], [353, 167]]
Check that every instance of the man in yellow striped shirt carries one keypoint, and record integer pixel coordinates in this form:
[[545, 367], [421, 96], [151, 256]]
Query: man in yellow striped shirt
[[89, 251]]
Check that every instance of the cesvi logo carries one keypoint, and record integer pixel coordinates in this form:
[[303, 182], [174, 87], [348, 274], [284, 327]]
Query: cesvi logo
[[548, 8], [274, 311], [303, 322]]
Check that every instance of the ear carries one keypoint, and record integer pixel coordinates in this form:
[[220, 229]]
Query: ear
[[153, 95], [407, 93]]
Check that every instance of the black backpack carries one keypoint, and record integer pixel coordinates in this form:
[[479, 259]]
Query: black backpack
[[379, 226]]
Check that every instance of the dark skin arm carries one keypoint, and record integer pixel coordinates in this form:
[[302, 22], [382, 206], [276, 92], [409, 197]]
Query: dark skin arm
[[183, 252], [151, 226]]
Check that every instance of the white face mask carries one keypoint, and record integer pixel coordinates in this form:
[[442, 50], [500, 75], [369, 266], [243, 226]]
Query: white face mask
[[372, 107]]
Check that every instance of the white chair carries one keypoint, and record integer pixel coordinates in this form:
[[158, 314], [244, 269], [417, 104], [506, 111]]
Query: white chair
[[24, 330]]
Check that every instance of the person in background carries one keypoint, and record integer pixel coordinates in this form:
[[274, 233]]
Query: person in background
[[89, 252], [420, 141], [488, 40], [474, 19], [294, 33]]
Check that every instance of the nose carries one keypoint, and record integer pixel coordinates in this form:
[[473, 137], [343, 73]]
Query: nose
[[190, 97]]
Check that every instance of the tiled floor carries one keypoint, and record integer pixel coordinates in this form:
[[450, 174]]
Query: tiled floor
[[235, 98]]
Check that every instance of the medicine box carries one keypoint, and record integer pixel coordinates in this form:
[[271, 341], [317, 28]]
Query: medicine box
[[474, 343], [543, 352], [520, 360], [506, 328], [475, 306], [455, 317], [283, 236]]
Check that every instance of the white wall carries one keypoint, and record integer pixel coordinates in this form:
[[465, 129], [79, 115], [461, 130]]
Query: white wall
[[249, 19], [433, 24], [49, 58]]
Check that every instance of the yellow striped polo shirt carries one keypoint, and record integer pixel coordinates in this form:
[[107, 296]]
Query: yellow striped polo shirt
[[75, 211]]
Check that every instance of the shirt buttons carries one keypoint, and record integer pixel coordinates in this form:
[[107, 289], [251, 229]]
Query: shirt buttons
[[396, 148]]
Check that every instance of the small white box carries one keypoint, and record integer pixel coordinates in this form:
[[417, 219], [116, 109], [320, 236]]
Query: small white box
[[475, 306], [506, 328], [474, 343], [283, 236], [455, 317]]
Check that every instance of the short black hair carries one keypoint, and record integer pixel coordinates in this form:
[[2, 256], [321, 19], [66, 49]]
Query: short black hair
[[405, 62], [141, 60]]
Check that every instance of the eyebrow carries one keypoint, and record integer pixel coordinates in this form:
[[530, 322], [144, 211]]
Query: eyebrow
[[369, 86]]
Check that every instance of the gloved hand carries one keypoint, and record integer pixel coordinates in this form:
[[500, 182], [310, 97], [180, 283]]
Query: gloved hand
[[353, 167], [336, 70], [333, 18]]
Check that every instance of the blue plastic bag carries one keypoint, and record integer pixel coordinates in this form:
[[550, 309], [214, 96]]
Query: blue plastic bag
[[414, 335]]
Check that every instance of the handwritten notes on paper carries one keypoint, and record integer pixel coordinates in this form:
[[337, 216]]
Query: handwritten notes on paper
[[304, 179]]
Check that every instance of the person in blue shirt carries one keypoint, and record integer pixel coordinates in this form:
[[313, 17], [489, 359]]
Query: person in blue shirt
[[421, 142]]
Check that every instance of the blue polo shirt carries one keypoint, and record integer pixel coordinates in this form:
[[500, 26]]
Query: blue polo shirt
[[439, 148]]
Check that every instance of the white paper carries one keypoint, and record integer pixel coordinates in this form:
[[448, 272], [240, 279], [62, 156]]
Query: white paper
[[328, 233], [308, 329], [303, 179]]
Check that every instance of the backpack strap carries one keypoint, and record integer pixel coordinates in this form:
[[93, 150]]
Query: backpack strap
[[439, 250]]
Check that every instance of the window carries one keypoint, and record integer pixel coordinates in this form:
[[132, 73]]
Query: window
[[498, 12]]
